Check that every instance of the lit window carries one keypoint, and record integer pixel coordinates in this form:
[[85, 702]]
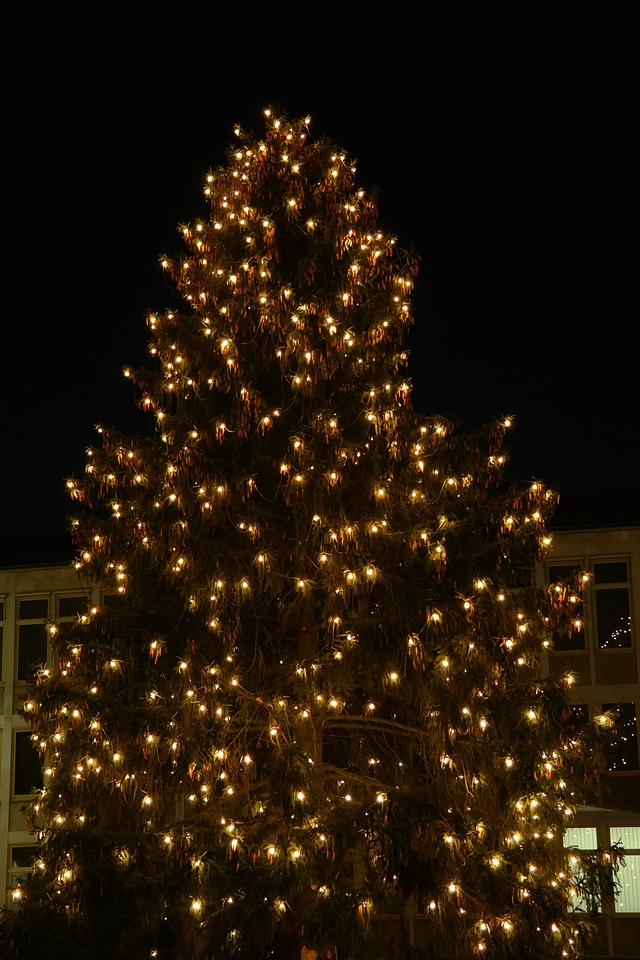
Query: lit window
[[613, 614], [584, 839], [21, 860], [622, 752], [627, 897]]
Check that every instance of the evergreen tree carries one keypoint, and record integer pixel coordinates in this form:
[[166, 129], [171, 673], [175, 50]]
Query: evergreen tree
[[311, 700]]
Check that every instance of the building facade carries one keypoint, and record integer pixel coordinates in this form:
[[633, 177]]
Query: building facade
[[32, 599], [602, 654]]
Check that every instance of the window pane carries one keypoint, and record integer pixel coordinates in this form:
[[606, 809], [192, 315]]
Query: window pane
[[71, 606], [572, 639], [610, 572], [32, 648], [21, 860], [578, 719], [32, 609], [1, 609], [584, 838], [1, 650], [28, 770], [23, 857], [569, 641], [629, 837], [628, 899], [613, 618], [622, 752], [111, 598]]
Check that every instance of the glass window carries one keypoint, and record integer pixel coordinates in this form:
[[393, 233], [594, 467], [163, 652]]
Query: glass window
[[561, 574], [21, 860], [33, 609], [32, 637], [629, 837], [585, 838], [613, 613], [27, 773], [627, 899], [577, 719], [610, 572], [622, 752], [32, 648], [111, 598], [71, 607]]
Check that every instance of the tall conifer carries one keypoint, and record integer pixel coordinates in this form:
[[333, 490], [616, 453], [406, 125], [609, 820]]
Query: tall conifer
[[310, 699]]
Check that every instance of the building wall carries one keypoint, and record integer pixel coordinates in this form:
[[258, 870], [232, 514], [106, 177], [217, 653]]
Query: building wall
[[30, 600], [604, 656]]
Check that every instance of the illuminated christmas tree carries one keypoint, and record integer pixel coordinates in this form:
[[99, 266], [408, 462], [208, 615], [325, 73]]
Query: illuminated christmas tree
[[309, 701]]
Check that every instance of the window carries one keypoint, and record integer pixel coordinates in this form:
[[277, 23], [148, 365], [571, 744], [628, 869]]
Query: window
[[32, 636], [109, 599], [70, 608], [21, 859], [596, 879], [27, 768], [613, 614], [584, 838], [577, 719], [562, 574], [622, 752], [627, 898]]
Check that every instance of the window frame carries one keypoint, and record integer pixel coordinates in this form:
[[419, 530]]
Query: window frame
[[69, 595], [627, 852], [577, 564], [599, 588], [610, 705], [14, 761], [31, 621], [17, 874]]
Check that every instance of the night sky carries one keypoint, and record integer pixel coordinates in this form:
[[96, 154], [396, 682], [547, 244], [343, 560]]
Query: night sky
[[506, 156]]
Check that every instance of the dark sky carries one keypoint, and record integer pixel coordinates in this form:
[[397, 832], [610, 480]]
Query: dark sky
[[506, 154]]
